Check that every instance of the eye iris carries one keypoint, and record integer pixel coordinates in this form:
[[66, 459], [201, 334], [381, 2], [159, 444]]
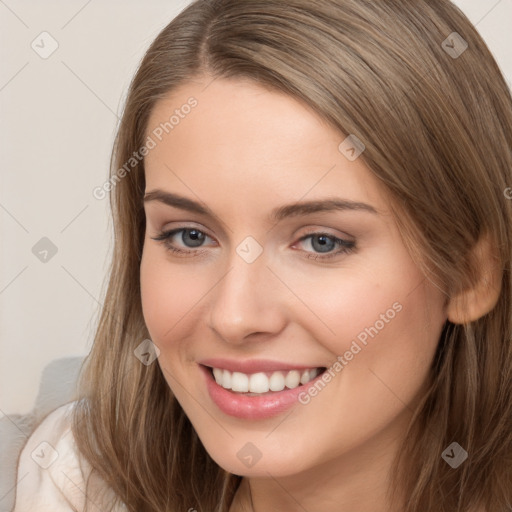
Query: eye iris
[[192, 237], [325, 243]]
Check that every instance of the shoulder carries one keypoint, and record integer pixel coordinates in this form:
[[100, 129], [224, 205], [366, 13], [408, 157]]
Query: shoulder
[[51, 475], [48, 466]]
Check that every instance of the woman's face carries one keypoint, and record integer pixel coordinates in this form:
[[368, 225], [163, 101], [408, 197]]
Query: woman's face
[[287, 260]]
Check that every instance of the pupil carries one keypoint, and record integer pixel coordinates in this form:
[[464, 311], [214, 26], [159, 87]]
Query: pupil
[[325, 244], [192, 237]]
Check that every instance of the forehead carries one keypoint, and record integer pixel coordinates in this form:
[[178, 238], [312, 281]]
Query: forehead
[[231, 110], [238, 133]]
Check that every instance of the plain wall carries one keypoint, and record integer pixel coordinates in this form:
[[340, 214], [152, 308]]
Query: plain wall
[[57, 124]]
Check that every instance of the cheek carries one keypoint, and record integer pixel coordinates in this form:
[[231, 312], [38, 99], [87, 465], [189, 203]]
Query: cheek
[[167, 295], [386, 330], [389, 320]]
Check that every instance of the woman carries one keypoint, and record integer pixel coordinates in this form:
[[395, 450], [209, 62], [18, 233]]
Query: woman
[[309, 305]]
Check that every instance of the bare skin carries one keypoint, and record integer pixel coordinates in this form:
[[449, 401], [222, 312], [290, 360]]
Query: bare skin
[[244, 151]]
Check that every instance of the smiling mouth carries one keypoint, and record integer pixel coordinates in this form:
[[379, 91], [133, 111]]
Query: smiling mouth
[[259, 383]]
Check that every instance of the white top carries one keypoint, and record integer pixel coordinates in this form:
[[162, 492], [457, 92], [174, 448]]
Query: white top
[[51, 476]]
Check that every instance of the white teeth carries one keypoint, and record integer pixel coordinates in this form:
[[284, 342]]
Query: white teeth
[[292, 379], [276, 381], [226, 379], [217, 373], [262, 382], [258, 383], [305, 377], [313, 373], [240, 382]]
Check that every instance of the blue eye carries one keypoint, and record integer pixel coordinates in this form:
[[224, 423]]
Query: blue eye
[[322, 243], [190, 238], [323, 246]]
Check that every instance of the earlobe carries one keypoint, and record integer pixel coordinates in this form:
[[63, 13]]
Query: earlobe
[[479, 299]]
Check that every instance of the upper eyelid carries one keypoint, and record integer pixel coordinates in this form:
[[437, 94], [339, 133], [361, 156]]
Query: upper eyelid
[[175, 231], [311, 231], [181, 226], [149, 212], [346, 206]]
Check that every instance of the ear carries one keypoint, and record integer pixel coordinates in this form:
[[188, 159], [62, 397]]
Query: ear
[[472, 303]]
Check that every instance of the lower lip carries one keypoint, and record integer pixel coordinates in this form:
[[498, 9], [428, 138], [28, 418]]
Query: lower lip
[[253, 407]]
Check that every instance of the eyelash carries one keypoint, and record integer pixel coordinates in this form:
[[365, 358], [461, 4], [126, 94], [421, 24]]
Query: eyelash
[[346, 246]]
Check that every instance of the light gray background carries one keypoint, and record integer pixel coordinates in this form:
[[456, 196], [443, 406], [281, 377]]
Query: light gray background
[[57, 122]]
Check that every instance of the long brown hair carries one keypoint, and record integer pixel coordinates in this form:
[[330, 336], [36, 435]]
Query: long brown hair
[[437, 127]]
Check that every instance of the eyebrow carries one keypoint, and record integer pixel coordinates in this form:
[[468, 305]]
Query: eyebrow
[[290, 210]]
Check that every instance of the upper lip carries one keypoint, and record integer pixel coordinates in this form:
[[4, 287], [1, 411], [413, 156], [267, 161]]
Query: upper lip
[[254, 365]]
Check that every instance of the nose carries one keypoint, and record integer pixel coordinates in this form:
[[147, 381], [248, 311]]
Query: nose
[[248, 302]]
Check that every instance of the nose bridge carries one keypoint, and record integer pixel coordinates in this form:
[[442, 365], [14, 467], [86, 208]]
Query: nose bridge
[[246, 300]]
